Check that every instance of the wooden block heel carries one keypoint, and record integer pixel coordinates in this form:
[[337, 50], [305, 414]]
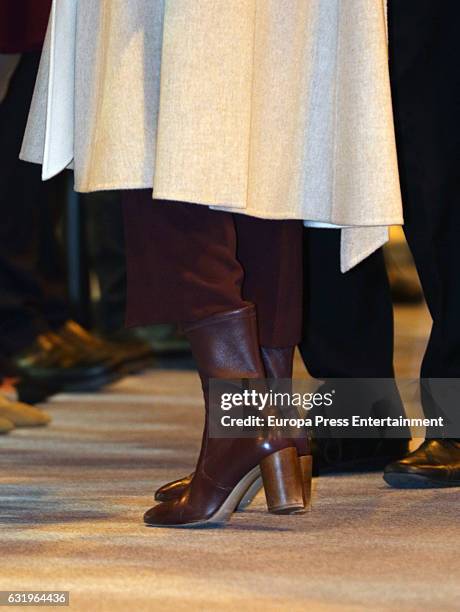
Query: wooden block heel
[[306, 469], [282, 480]]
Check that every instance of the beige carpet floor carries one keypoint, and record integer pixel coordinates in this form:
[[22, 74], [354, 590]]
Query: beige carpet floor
[[72, 498]]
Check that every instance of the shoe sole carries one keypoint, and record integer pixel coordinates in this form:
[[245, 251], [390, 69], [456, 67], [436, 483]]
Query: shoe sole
[[416, 481], [250, 494]]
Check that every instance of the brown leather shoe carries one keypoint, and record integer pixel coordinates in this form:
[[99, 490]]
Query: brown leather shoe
[[226, 346], [278, 364], [58, 364], [126, 356], [436, 463]]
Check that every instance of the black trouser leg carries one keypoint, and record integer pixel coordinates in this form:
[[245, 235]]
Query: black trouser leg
[[108, 256], [32, 280], [348, 334], [424, 52], [348, 318], [21, 199]]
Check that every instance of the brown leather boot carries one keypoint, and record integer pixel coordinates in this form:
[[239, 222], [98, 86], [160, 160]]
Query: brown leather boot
[[226, 346], [278, 363]]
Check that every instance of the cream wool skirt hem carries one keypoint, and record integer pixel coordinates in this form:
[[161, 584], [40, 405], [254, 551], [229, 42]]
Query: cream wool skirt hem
[[280, 110]]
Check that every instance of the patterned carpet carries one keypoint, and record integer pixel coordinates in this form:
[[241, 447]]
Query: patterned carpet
[[72, 498]]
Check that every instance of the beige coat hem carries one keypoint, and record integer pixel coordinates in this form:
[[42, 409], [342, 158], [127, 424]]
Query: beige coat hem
[[195, 99]]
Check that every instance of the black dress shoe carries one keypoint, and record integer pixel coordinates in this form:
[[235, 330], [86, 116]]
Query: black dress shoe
[[28, 390], [339, 455], [436, 463], [31, 391]]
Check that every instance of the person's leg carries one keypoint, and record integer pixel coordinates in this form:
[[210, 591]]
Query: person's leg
[[23, 209], [270, 253], [32, 280], [52, 254], [21, 199], [347, 318], [170, 248], [270, 256], [107, 251], [32, 276], [424, 47], [181, 261], [33, 284], [235, 260], [183, 266], [348, 334]]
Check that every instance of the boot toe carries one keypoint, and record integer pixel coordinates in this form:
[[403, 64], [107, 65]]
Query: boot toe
[[173, 490], [164, 514]]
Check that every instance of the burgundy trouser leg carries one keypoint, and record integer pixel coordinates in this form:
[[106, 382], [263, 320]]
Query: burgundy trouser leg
[[186, 262], [271, 255]]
